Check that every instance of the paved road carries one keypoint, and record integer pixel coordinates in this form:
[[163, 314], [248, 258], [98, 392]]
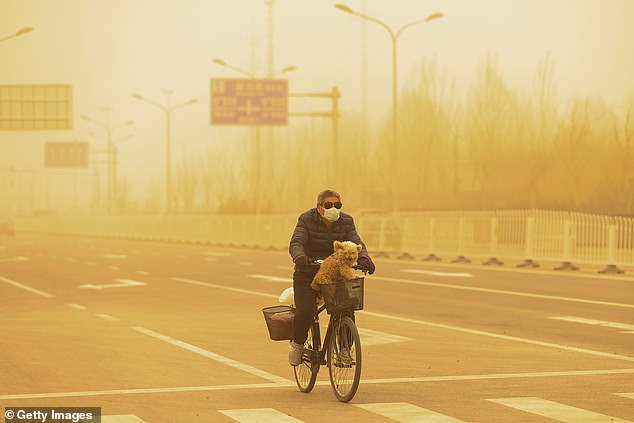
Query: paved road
[[153, 332]]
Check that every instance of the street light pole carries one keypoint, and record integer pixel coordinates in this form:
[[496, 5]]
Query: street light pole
[[22, 31], [394, 36], [168, 109], [112, 153]]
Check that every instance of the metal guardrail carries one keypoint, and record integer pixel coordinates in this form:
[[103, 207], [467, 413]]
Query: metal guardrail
[[528, 235]]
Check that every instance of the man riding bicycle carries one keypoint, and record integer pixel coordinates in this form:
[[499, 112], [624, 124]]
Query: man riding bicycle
[[312, 240]]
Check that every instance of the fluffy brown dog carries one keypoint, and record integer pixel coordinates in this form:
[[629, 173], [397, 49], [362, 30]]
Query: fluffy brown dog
[[338, 266]]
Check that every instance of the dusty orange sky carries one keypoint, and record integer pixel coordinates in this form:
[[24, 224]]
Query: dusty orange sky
[[108, 49]]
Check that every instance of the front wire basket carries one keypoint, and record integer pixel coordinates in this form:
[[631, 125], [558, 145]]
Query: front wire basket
[[343, 295], [279, 322]]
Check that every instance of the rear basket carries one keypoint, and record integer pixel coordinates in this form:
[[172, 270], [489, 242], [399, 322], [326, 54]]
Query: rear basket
[[343, 295], [279, 322]]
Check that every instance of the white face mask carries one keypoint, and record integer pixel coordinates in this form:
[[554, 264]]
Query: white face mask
[[331, 214]]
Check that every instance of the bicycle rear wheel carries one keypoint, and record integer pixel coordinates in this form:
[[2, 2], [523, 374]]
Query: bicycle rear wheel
[[306, 373], [344, 359]]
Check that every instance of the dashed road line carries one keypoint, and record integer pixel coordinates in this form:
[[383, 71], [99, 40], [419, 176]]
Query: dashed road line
[[432, 273], [107, 317], [142, 272], [127, 418], [500, 336], [626, 328], [503, 292], [6, 260], [272, 278], [217, 357], [407, 413], [226, 288], [259, 415], [555, 410], [26, 288], [77, 306]]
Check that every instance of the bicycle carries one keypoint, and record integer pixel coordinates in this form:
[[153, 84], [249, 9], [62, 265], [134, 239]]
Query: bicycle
[[341, 351]]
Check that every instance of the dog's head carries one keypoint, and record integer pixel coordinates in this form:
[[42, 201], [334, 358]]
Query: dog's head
[[347, 252]]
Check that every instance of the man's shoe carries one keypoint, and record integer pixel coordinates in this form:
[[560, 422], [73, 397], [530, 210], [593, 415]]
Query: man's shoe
[[344, 359], [295, 354]]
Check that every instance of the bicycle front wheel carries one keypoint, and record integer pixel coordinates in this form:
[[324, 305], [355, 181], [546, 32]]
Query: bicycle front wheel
[[306, 372], [344, 359]]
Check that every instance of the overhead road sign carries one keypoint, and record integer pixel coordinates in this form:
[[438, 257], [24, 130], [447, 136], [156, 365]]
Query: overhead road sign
[[66, 154], [249, 102], [36, 107]]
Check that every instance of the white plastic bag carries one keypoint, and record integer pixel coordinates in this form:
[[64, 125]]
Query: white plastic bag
[[288, 297]]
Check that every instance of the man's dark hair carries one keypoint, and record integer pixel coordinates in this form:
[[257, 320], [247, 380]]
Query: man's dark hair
[[325, 194]]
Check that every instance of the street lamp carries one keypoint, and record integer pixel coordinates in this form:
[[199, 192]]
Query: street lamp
[[258, 153], [394, 37], [112, 152], [22, 31], [168, 108]]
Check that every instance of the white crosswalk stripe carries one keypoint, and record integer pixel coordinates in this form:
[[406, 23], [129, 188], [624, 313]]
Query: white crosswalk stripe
[[407, 413], [555, 410], [259, 415], [128, 418]]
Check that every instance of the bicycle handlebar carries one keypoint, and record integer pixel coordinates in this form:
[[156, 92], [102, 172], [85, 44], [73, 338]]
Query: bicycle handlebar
[[355, 266]]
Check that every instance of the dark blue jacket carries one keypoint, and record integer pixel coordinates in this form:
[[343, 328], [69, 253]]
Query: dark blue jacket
[[312, 237]]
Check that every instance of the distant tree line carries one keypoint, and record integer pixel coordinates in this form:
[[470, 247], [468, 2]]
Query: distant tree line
[[495, 148]]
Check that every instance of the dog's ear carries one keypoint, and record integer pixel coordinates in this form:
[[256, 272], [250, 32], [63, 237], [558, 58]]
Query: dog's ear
[[338, 245], [358, 248]]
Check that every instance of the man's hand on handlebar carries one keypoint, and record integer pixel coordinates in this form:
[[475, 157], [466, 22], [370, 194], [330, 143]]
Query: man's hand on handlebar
[[364, 263]]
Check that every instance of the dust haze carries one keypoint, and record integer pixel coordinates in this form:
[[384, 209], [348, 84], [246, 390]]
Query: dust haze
[[500, 105]]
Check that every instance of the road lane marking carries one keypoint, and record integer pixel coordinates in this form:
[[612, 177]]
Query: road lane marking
[[77, 306], [71, 259], [259, 415], [374, 337], [142, 272], [245, 263], [629, 395], [225, 360], [147, 391], [432, 324], [27, 288], [114, 256], [407, 413], [107, 317], [431, 273], [227, 288], [122, 283], [603, 323], [289, 268], [91, 263], [6, 260], [114, 268], [499, 291], [500, 336], [216, 253], [555, 410], [287, 384], [127, 418], [272, 278]]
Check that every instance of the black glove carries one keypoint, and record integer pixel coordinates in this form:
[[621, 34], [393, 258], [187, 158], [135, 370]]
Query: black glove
[[366, 264], [303, 261]]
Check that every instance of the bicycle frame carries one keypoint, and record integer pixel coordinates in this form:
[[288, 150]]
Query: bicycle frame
[[319, 353]]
